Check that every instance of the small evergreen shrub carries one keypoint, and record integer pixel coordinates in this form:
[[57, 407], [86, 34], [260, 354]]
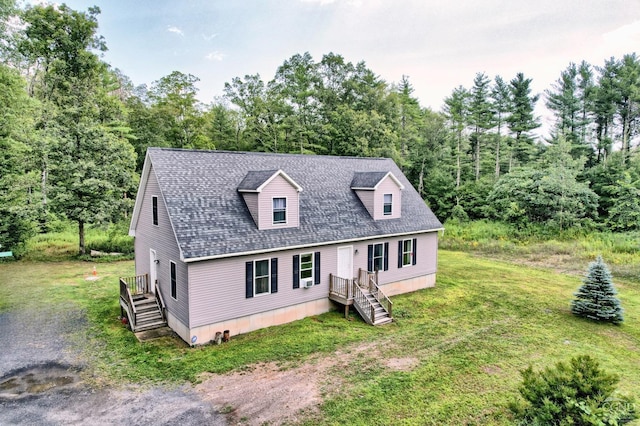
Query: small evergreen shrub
[[578, 393], [596, 298]]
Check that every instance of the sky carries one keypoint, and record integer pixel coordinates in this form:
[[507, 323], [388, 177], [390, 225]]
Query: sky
[[438, 44]]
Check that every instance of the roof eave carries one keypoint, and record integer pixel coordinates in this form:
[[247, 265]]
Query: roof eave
[[295, 247]]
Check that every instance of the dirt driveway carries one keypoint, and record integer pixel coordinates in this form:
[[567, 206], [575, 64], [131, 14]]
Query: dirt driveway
[[41, 380]]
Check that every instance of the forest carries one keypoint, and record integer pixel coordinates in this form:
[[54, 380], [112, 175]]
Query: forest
[[74, 131]]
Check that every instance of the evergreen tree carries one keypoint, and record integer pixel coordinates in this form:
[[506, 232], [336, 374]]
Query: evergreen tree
[[596, 298]]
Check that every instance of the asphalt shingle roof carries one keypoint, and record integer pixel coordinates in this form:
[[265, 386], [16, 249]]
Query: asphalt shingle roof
[[210, 218], [367, 180]]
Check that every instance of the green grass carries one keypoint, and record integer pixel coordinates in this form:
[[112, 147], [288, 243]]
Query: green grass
[[567, 251], [469, 337], [62, 243]]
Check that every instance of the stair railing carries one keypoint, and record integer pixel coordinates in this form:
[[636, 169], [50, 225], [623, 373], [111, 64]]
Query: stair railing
[[127, 299], [160, 303], [363, 305], [382, 298]]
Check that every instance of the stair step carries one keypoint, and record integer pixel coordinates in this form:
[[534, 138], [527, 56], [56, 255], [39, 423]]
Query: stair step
[[148, 315], [150, 326], [383, 321]]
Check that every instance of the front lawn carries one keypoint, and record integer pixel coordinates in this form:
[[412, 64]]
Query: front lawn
[[464, 341]]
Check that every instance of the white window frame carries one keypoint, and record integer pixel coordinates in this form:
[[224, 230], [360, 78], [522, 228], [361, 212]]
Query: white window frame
[[374, 257], [407, 254], [312, 255], [255, 277], [385, 204], [173, 267], [155, 214], [273, 211]]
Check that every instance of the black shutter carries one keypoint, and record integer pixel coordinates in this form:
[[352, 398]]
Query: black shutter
[[296, 271], [316, 268], [386, 256], [248, 279], [414, 246], [370, 258], [400, 254], [274, 275]]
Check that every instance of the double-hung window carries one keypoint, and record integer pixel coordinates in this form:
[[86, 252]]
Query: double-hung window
[[388, 204], [279, 210], [154, 206], [407, 252], [261, 277], [174, 281], [306, 266], [378, 257]]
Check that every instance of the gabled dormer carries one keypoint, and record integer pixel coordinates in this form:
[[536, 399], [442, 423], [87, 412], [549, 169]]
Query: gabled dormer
[[380, 193], [272, 198]]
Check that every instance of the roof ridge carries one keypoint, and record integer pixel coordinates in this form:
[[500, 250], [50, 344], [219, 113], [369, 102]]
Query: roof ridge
[[274, 154]]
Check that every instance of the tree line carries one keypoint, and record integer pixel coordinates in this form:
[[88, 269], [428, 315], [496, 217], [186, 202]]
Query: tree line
[[74, 131]]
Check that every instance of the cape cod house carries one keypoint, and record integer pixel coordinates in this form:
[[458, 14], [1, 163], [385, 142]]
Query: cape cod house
[[230, 242]]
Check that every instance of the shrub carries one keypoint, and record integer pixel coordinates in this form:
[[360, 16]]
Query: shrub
[[596, 298], [578, 393]]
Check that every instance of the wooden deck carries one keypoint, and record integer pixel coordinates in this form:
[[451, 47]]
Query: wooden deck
[[364, 294]]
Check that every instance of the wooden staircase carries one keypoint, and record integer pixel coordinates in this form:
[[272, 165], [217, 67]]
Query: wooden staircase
[[144, 309], [380, 314], [148, 313]]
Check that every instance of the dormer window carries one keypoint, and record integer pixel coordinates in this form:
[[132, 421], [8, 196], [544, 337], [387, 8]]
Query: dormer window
[[380, 193], [279, 211], [388, 204], [272, 198]]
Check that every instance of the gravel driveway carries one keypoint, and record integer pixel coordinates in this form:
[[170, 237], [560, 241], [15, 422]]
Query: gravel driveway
[[40, 382]]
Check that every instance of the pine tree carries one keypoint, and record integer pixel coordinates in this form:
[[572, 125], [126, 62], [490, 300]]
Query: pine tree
[[596, 298]]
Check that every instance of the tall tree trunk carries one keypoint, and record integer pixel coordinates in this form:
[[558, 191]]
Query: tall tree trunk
[[421, 179], [477, 156], [498, 152], [458, 162], [82, 250]]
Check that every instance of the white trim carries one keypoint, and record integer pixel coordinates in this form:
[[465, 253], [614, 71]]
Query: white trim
[[273, 176], [384, 203], [305, 246], [389, 174], [268, 260], [142, 188], [313, 261], [410, 253], [286, 211], [157, 213], [171, 262]]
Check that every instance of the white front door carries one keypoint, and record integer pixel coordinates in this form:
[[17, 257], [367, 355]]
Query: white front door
[[345, 262], [153, 270]]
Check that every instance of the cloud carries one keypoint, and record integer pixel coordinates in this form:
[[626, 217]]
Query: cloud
[[209, 37], [215, 56], [624, 33], [175, 30]]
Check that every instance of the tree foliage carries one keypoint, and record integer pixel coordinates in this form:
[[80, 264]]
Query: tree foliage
[[596, 298], [577, 393]]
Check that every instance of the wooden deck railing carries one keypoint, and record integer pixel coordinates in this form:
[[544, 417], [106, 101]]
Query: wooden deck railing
[[138, 284], [340, 287], [363, 305], [375, 291], [126, 302]]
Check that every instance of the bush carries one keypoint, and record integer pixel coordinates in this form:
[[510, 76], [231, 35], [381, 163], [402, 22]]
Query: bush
[[578, 393]]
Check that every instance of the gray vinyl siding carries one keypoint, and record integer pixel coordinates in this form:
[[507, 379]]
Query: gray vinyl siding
[[161, 239], [218, 286], [278, 187], [387, 186], [366, 197], [251, 200]]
